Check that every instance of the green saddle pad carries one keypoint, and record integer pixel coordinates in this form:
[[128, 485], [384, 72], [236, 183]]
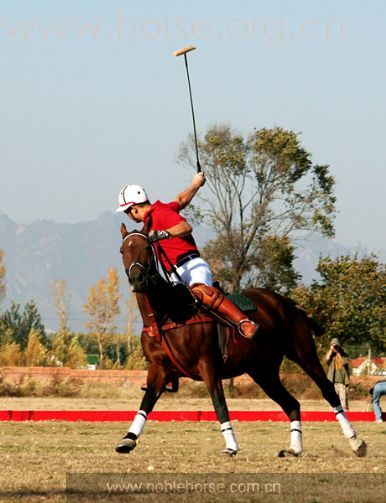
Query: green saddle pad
[[242, 302]]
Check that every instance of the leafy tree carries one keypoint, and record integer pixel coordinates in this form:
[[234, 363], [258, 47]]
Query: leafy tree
[[271, 265], [75, 356], [2, 276], [102, 306], [35, 354], [20, 324], [349, 300], [66, 349], [135, 358], [61, 299], [117, 344], [263, 188], [10, 353]]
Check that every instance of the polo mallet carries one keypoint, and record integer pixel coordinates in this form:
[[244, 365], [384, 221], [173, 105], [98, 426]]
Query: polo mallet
[[181, 52]]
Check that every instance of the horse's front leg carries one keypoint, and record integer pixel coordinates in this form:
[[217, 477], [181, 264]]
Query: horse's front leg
[[216, 392], [156, 381]]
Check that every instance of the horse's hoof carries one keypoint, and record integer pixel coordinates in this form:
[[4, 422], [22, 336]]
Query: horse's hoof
[[229, 452], [288, 453], [361, 449], [126, 445]]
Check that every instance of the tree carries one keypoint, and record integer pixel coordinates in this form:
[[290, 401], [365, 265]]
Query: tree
[[35, 354], [135, 358], [349, 300], [102, 306], [263, 189], [10, 355], [66, 349], [19, 324], [271, 265], [61, 299], [2, 276], [75, 356]]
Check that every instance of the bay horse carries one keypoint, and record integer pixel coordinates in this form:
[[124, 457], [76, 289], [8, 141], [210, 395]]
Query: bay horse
[[176, 344]]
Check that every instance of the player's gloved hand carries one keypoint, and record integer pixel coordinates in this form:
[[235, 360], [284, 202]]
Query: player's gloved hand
[[157, 235], [198, 180]]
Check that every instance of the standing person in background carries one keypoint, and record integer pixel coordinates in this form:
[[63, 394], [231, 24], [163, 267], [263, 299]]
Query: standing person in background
[[339, 371], [378, 390]]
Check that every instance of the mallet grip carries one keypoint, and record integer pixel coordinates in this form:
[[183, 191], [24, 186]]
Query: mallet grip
[[184, 50]]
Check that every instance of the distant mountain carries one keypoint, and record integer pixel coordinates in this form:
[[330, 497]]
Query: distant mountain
[[81, 253]]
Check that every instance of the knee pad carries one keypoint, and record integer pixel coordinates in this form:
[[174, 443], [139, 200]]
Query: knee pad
[[208, 295]]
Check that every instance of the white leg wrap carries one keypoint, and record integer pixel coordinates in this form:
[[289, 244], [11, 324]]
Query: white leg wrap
[[229, 436], [139, 423], [296, 436], [348, 430]]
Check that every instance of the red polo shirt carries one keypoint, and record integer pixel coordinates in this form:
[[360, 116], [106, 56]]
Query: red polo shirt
[[163, 216]]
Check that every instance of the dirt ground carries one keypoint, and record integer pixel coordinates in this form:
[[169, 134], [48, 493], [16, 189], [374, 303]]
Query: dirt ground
[[166, 402], [35, 458]]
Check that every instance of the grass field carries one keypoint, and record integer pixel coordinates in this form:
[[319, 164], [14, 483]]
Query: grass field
[[35, 457]]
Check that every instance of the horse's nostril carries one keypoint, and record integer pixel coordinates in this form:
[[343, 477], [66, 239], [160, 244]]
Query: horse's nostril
[[137, 281]]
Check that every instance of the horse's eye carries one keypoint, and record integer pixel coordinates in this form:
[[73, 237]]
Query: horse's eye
[[121, 250]]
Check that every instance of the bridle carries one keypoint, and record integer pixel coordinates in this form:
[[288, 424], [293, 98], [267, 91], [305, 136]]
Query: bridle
[[146, 270]]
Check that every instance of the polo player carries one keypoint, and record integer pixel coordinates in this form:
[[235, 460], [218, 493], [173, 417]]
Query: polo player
[[180, 258]]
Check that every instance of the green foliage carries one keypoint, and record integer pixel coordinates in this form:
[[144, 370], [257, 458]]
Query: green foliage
[[274, 265], [349, 300], [264, 189], [20, 323]]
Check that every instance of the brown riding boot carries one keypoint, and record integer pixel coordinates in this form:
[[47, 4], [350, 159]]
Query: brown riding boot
[[214, 299]]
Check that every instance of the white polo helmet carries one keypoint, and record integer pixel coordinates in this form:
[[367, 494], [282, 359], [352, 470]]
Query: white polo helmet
[[129, 195]]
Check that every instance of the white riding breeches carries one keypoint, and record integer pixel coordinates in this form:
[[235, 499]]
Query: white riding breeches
[[194, 271]]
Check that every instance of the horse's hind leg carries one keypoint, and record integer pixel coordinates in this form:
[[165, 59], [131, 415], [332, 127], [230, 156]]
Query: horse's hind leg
[[156, 381], [317, 374], [273, 387], [305, 355]]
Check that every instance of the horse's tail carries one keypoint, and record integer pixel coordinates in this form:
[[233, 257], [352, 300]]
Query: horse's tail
[[316, 327], [313, 325]]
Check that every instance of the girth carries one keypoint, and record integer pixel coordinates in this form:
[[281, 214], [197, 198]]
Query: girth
[[197, 318], [160, 336]]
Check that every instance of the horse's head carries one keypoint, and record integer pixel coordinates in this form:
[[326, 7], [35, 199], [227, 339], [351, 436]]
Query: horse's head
[[137, 258]]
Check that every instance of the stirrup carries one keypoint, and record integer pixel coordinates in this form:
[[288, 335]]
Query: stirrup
[[257, 326]]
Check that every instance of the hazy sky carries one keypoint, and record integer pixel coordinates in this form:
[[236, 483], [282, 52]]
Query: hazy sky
[[91, 98]]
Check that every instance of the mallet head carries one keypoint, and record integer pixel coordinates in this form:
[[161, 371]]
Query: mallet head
[[184, 50]]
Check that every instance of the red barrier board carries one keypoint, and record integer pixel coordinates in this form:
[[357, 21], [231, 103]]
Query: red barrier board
[[163, 415]]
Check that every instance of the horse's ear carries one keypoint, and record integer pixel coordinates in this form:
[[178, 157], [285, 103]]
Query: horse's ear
[[124, 231]]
